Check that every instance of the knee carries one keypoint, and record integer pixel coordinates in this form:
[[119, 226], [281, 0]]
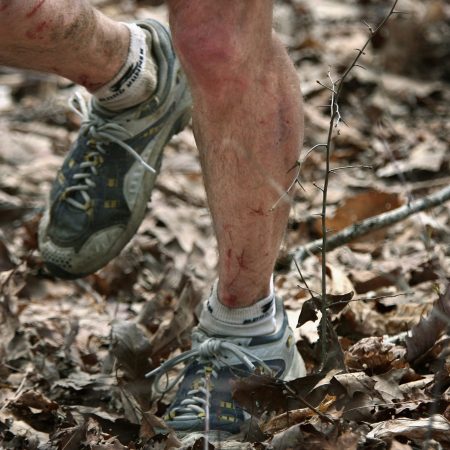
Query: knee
[[210, 50]]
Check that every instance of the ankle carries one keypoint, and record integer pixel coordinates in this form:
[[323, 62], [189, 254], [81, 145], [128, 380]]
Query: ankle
[[136, 80], [234, 295], [255, 320], [113, 39]]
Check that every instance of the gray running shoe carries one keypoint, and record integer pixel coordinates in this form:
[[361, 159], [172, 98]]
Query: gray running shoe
[[99, 197], [203, 402]]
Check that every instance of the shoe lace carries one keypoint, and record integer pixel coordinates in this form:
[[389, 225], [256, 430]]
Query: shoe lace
[[209, 353], [101, 132]]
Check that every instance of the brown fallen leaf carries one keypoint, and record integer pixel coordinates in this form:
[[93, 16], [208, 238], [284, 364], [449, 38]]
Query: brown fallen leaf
[[370, 280], [151, 426], [176, 333], [359, 207], [418, 430], [261, 393], [5, 260], [132, 348], [36, 400], [287, 419], [375, 354], [427, 331]]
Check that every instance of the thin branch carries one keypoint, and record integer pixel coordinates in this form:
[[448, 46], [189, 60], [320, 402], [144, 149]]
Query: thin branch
[[325, 86], [310, 151], [318, 187], [370, 299], [335, 169], [335, 119], [288, 190], [311, 292], [308, 405], [374, 223]]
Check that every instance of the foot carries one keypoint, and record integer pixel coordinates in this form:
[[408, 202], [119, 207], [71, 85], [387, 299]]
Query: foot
[[214, 361], [99, 197]]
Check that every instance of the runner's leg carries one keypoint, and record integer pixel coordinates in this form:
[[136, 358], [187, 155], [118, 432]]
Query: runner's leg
[[248, 125], [68, 38]]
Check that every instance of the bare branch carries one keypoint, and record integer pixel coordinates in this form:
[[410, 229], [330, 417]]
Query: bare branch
[[317, 186], [325, 86], [311, 293], [374, 223], [335, 169], [335, 119]]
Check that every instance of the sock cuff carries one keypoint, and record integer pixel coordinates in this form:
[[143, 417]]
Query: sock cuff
[[133, 66], [260, 310]]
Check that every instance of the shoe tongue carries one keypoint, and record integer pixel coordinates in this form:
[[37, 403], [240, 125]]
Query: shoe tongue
[[97, 109]]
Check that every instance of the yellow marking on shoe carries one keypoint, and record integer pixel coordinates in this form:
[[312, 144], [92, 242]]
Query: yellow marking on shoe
[[201, 414], [111, 204], [226, 405], [170, 415], [112, 182], [61, 177], [227, 418], [71, 163], [289, 341], [152, 131]]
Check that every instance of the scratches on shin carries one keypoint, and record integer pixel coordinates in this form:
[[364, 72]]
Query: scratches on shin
[[35, 8], [38, 31]]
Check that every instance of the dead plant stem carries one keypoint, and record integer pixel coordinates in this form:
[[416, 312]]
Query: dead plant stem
[[335, 119]]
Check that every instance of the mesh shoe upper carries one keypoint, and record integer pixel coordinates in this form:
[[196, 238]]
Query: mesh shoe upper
[[99, 197], [203, 400]]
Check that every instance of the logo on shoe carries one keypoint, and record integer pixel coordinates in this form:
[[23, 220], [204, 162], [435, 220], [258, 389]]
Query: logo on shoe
[[128, 78]]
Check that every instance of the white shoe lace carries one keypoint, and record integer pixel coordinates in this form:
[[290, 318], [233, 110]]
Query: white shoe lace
[[210, 353], [101, 132]]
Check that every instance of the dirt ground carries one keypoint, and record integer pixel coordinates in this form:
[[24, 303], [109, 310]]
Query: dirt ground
[[73, 354]]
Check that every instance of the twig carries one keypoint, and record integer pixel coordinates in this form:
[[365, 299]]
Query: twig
[[373, 223], [369, 299], [18, 392], [335, 169], [288, 190], [311, 293], [308, 405], [335, 120]]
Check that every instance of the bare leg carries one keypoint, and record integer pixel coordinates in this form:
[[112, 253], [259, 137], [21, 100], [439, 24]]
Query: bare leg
[[66, 37], [248, 126]]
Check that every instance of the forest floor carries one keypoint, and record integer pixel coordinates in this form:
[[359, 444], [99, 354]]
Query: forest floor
[[73, 354]]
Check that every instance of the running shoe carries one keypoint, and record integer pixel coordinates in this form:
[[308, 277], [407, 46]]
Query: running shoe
[[100, 194]]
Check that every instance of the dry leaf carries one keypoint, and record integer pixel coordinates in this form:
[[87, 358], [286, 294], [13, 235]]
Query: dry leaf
[[359, 207], [375, 354], [285, 420], [415, 430], [428, 330]]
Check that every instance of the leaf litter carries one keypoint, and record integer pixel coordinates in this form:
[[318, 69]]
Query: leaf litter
[[73, 355]]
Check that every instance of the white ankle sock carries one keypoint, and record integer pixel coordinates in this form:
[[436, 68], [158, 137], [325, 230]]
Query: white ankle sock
[[255, 320], [137, 78]]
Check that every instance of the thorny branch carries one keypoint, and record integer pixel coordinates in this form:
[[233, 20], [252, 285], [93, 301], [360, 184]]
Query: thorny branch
[[335, 120]]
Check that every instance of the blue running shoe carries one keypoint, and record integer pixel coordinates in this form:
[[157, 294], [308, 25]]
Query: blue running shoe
[[100, 194], [203, 402]]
